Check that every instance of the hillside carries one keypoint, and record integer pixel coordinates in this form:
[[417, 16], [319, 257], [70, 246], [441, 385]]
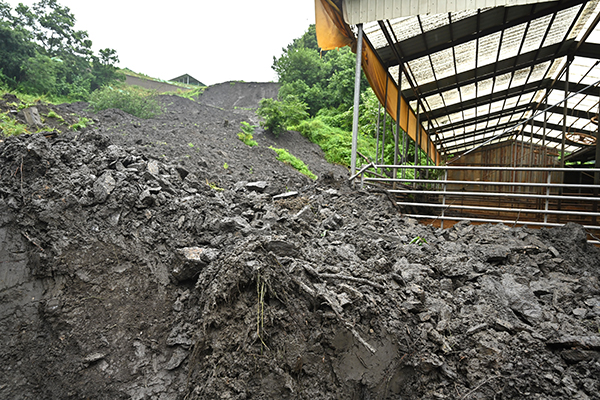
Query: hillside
[[165, 259]]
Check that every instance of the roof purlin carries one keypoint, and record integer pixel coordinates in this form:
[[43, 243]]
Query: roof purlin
[[516, 15]]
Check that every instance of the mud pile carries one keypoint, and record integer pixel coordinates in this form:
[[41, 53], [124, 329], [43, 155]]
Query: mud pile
[[164, 259]]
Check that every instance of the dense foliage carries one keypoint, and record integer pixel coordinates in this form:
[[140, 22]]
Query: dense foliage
[[322, 83], [320, 79], [41, 52]]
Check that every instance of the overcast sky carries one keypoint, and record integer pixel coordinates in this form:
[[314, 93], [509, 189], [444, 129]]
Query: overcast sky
[[212, 40]]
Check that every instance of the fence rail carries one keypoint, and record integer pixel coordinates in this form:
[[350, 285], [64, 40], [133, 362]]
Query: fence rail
[[546, 202]]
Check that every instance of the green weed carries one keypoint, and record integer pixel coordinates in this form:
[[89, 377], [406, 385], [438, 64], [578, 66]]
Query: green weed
[[81, 123], [246, 135], [418, 240], [53, 114], [10, 127], [214, 186]]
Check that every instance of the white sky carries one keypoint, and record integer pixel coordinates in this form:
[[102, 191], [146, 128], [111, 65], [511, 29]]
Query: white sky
[[212, 40]]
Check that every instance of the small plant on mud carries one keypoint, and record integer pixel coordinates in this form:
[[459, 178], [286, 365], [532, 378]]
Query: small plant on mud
[[191, 145], [225, 166], [53, 114], [82, 123], [214, 186], [418, 240], [284, 156], [246, 135]]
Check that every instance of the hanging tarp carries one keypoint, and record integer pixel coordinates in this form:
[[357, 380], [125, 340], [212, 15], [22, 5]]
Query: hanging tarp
[[332, 33]]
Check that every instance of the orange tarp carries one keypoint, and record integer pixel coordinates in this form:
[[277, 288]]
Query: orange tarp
[[332, 33]]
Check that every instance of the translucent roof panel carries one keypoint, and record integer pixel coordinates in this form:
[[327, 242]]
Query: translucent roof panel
[[479, 74]]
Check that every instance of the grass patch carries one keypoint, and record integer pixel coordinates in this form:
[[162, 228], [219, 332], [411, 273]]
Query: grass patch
[[133, 100], [10, 127], [284, 156], [336, 143]]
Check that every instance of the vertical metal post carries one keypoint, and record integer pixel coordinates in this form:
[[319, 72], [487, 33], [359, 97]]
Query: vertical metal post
[[521, 158], [597, 161], [397, 131], [444, 197], [564, 134], [383, 136], [384, 121], [428, 137], [405, 144], [564, 131], [548, 180], [531, 173], [545, 150], [356, 100], [377, 134], [417, 134]]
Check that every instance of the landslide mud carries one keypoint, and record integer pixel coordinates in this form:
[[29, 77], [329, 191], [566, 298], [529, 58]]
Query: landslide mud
[[157, 259]]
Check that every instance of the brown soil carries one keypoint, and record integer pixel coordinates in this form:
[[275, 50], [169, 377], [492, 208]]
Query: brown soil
[[152, 259]]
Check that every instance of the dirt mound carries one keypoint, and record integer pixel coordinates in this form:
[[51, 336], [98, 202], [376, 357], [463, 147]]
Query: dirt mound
[[239, 95], [165, 259]]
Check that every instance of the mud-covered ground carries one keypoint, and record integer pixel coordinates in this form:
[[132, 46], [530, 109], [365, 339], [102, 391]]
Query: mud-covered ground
[[158, 259]]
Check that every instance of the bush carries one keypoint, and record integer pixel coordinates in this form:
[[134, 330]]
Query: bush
[[133, 100], [278, 115], [246, 135], [284, 156]]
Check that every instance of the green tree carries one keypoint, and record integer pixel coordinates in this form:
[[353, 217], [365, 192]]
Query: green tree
[[15, 50], [40, 75], [104, 70], [45, 35], [320, 79]]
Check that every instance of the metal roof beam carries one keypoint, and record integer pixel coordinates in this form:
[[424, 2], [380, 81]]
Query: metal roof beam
[[527, 135], [589, 50], [472, 144], [577, 87], [493, 18], [522, 61], [490, 98], [476, 120]]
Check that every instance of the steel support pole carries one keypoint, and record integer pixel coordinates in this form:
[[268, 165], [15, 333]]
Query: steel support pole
[[531, 150], [417, 134], [564, 132], [356, 100], [427, 151], [377, 134], [405, 144], [597, 160], [384, 121], [544, 149], [397, 130]]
